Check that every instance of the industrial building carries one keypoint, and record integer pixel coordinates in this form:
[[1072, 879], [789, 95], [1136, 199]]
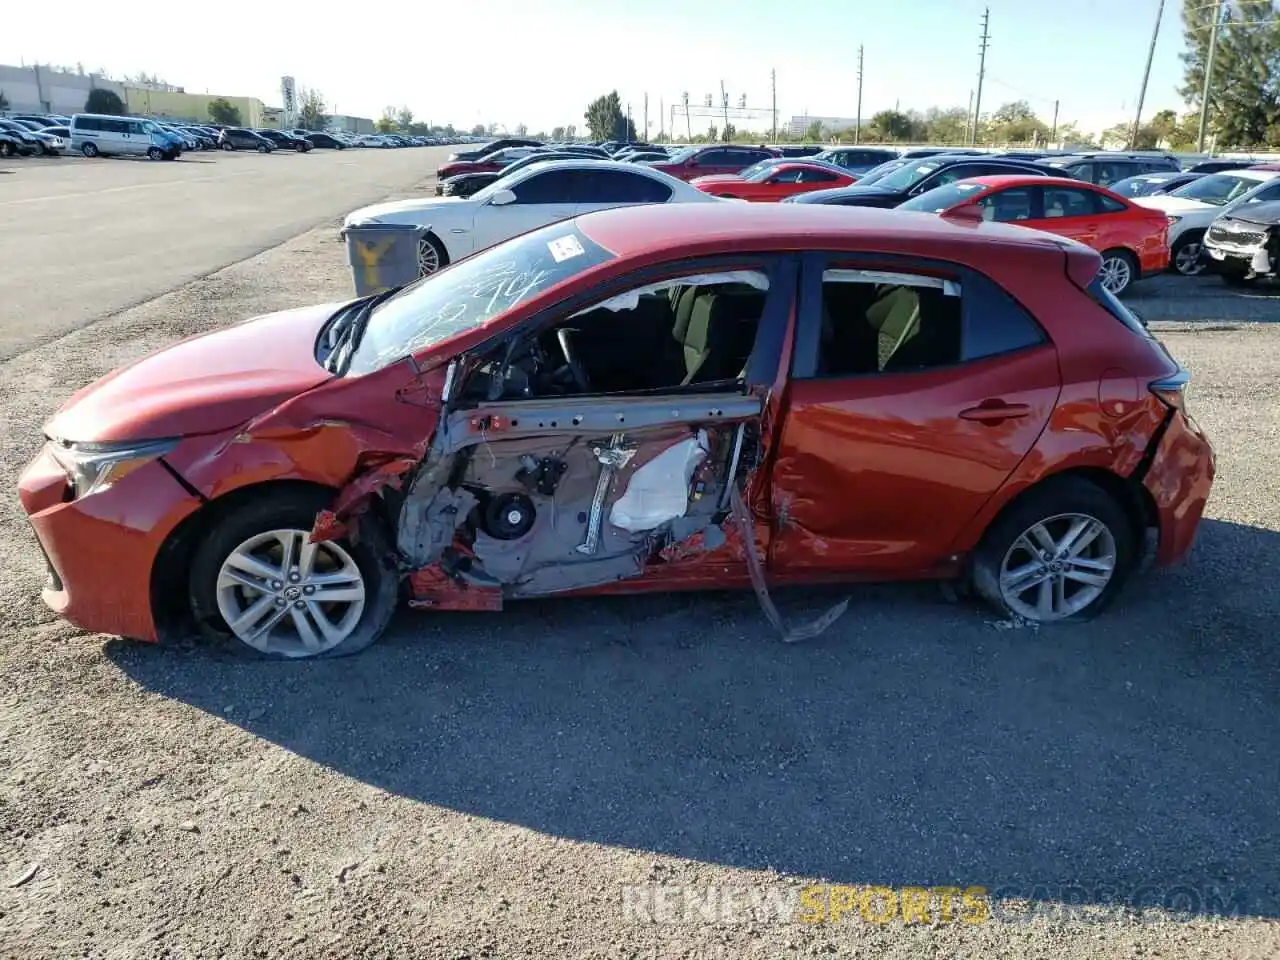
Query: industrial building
[[799, 126]]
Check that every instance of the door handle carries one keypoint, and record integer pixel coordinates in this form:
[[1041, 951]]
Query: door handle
[[993, 411]]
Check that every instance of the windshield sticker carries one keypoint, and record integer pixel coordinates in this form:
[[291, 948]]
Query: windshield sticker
[[565, 247]]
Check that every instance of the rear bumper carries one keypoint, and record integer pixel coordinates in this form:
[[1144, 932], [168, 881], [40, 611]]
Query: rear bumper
[[1179, 480]]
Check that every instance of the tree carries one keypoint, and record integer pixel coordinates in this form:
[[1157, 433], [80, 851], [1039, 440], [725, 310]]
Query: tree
[[104, 101], [890, 125], [1015, 122], [729, 133], [477, 130], [1244, 91], [946, 125], [606, 121], [557, 133], [222, 110], [311, 108], [571, 131], [387, 122], [1165, 126], [4, 101], [813, 131], [404, 117], [521, 130]]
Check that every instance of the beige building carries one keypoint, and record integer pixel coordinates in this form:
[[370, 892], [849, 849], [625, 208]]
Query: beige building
[[180, 105]]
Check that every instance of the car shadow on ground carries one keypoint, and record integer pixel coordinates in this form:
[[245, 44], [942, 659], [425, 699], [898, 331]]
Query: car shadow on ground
[[1204, 300], [916, 742]]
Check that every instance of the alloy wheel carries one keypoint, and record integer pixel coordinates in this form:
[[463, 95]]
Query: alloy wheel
[[284, 595], [1187, 260], [428, 257], [1116, 274], [1057, 567]]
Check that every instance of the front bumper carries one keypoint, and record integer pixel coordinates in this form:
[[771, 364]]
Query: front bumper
[[1252, 260], [100, 550], [1179, 480]]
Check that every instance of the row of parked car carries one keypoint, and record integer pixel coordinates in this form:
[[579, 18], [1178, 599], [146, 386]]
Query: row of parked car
[[95, 135], [1141, 211]]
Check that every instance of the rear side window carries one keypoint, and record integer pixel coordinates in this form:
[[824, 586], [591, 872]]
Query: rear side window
[[1108, 302], [617, 186], [1107, 204]]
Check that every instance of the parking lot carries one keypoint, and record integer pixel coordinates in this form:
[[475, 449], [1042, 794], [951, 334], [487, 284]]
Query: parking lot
[[485, 785]]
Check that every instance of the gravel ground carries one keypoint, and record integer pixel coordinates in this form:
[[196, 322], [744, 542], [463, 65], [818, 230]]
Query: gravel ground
[[487, 785]]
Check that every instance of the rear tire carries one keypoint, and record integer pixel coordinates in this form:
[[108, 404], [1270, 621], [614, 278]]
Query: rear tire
[[1029, 567], [228, 145], [90, 150], [1119, 270], [363, 565], [431, 255], [7, 150], [263, 148]]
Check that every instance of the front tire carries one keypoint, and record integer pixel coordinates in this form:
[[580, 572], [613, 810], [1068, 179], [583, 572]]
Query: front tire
[[258, 582], [228, 146], [1059, 554], [1184, 258], [155, 153], [263, 148], [1119, 270], [7, 150]]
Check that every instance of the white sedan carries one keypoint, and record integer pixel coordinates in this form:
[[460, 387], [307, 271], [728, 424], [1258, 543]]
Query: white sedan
[[532, 197], [1191, 208]]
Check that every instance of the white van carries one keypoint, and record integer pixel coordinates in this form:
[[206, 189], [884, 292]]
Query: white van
[[98, 135]]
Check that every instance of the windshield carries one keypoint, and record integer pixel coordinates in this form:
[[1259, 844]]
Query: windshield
[[680, 156], [1217, 188], [907, 176], [760, 169], [876, 174], [943, 198], [472, 292]]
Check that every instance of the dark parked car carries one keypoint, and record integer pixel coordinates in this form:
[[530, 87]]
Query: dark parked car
[[858, 159], [916, 153], [11, 145], [811, 150], [1217, 166], [466, 184], [286, 141], [327, 141], [1105, 169], [1150, 184], [493, 146], [238, 138], [919, 176], [1243, 246], [43, 143]]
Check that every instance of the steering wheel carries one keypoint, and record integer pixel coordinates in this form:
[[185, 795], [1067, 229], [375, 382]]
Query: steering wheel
[[565, 338]]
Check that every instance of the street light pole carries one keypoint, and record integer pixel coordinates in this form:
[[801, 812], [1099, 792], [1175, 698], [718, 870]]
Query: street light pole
[[1146, 74], [857, 127], [1208, 74]]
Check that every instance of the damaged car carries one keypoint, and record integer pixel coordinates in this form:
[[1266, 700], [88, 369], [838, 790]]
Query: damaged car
[[1243, 245], [651, 398]]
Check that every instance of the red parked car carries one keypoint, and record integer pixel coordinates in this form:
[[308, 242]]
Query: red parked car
[[1133, 240], [771, 180], [650, 398], [711, 160]]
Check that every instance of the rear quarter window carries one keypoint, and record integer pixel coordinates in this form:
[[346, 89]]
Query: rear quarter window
[[1109, 302]]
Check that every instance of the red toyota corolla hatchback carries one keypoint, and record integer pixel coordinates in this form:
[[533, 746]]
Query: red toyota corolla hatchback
[[650, 398]]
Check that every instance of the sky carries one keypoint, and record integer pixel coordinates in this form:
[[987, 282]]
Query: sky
[[539, 62]]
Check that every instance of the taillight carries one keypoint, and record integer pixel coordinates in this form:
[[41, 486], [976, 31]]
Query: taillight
[[1172, 390]]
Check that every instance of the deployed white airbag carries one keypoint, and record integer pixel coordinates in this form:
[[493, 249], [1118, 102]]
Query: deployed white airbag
[[659, 490]]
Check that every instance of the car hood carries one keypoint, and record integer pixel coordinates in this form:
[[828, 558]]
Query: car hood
[[205, 384], [417, 211], [1263, 214], [1170, 204]]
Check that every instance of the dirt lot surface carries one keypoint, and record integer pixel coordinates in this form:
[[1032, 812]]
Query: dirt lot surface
[[516, 784]]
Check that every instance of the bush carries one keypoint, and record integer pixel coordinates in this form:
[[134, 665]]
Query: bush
[[104, 101]]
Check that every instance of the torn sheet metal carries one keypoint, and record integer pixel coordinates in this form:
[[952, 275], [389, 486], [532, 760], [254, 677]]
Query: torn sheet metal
[[658, 491], [434, 589], [755, 566]]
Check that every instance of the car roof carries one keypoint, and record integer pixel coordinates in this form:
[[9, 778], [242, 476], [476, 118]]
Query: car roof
[[643, 229], [1027, 180]]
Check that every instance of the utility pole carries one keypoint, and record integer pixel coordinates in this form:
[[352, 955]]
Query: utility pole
[[857, 127], [968, 118], [982, 72], [724, 102], [644, 137], [662, 112], [688, 130], [626, 130], [1146, 74], [1208, 74], [773, 88], [1053, 134]]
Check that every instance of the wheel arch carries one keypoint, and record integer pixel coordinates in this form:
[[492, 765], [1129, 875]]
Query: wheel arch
[[443, 247], [1132, 496], [170, 608]]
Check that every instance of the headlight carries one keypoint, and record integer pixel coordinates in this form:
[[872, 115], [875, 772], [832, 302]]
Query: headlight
[[95, 466], [1172, 219]]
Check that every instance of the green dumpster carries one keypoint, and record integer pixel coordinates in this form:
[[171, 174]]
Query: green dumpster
[[383, 255]]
